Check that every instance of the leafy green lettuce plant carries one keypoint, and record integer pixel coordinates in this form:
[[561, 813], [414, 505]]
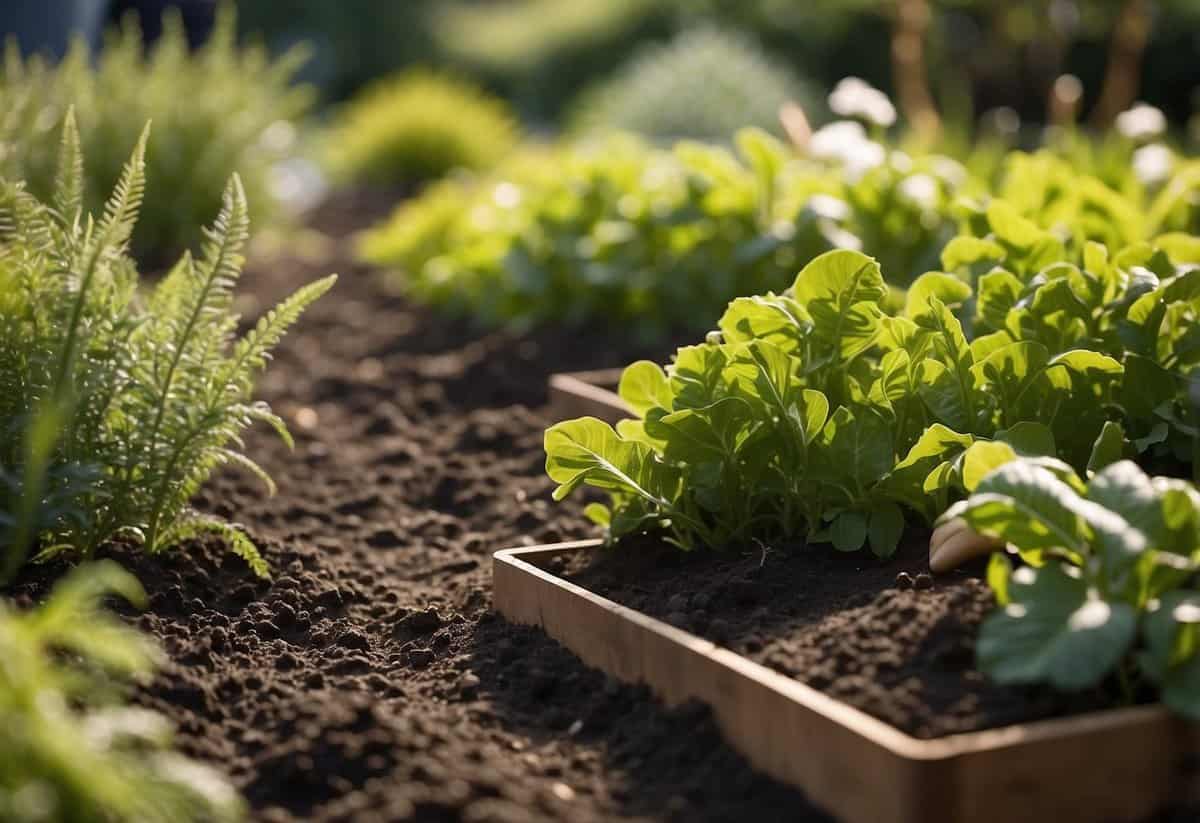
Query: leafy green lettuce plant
[[1136, 302], [220, 109], [814, 414], [74, 751], [619, 231], [1108, 588], [116, 406]]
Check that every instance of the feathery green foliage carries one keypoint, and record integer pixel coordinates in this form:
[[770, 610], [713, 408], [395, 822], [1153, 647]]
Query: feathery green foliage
[[222, 109], [705, 84], [73, 751], [151, 393], [416, 127]]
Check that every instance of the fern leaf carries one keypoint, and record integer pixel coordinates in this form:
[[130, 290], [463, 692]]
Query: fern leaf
[[246, 464], [68, 183], [121, 210], [252, 349], [197, 525]]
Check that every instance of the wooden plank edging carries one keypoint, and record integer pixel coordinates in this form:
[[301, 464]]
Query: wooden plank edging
[[1118, 765]]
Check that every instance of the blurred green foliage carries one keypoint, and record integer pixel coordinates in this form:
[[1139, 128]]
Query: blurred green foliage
[[216, 111], [74, 751], [417, 126], [704, 84], [621, 231]]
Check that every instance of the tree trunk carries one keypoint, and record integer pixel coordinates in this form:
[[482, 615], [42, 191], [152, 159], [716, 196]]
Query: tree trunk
[[1122, 77], [908, 67]]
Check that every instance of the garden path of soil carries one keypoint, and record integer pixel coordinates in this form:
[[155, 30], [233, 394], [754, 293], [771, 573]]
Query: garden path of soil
[[370, 681]]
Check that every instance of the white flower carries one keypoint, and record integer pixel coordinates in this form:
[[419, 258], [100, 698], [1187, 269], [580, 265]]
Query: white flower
[[854, 97], [845, 142], [1142, 122], [1153, 163], [921, 190]]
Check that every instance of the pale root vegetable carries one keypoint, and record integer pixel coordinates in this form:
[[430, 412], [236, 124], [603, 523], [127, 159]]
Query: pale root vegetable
[[954, 543]]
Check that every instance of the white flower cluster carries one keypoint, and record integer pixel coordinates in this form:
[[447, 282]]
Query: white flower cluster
[[855, 97], [1142, 123]]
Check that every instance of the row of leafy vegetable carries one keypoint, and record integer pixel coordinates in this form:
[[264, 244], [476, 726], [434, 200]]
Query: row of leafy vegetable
[[617, 230], [820, 414]]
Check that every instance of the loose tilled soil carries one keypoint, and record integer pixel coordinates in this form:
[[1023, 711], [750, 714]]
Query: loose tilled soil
[[887, 638], [370, 681]]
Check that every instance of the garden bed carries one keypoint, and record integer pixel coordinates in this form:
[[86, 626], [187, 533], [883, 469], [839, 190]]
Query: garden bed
[[884, 641], [371, 680]]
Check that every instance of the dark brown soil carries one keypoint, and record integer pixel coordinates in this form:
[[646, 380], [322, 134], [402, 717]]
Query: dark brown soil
[[370, 681], [885, 637]]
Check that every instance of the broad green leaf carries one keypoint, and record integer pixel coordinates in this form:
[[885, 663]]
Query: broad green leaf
[[696, 375], [1109, 447], [857, 445], [999, 571], [1027, 505], [982, 458], [1055, 630], [1029, 438], [1010, 227], [938, 445], [1014, 375], [717, 429], [965, 251], [598, 513], [946, 287], [885, 528], [848, 531], [842, 290], [587, 450], [1172, 654], [1181, 247], [779, 320], [999, 291], [644, 386], [1145, 387]]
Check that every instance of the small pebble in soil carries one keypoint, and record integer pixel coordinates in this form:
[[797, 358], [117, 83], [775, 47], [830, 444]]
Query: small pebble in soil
[[562, 791], [904, 580], [420, 658], [468, 684], [924, 580]]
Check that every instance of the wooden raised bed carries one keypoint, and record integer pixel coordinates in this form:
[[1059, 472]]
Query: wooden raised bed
[[1107, 767], [1119, 765], [594, 393]]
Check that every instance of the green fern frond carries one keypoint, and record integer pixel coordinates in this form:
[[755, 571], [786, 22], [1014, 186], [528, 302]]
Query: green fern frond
[[64, 726], [197, 525], [68, 182], [252, 349], [246, 464], [158, 391], [121, 210]]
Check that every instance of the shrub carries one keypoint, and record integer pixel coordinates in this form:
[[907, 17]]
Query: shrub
[[150, 394], [73, 751], [704, 84], [540, 53], [416, 127], [220, 110]]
